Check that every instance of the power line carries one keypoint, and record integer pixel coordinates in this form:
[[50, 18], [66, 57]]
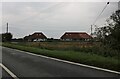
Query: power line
[[98, 17], [101, 13]]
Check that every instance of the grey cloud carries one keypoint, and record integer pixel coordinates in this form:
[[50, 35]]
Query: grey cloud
[[53, 18]]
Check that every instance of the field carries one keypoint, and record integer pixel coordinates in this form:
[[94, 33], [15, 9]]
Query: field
[[84, 53], [86, 47]]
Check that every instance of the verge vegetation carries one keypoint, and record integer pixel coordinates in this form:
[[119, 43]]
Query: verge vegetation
[[84, 57]]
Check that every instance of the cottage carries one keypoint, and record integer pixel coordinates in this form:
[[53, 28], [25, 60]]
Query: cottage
[[76, 36], [37, 36]]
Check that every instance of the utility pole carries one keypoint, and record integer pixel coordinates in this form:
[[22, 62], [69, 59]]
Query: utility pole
[[119, 5], [91, 29], [7, 28]]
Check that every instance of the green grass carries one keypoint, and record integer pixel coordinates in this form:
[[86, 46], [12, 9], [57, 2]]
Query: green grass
[[85, 47], [79, 57]]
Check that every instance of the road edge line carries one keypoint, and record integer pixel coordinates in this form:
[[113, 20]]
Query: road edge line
[[8, 71], [78, 64], [69, 62]]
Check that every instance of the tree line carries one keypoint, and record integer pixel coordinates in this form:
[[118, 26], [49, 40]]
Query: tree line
[[6, 37]]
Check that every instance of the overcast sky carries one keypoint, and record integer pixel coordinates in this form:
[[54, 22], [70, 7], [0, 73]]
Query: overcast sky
[[53, 18]]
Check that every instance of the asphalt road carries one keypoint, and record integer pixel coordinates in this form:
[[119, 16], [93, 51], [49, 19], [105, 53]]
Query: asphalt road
[[5, 74], [25, 65]]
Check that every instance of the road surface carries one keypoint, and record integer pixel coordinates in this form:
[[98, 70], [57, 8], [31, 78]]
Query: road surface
[[6, 74], [26, 65]]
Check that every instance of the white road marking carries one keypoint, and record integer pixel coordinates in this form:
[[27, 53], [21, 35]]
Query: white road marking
[[78, 64], [8, 71]]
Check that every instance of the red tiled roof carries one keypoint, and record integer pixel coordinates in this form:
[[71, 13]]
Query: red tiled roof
[[76, 35], [36, 35]]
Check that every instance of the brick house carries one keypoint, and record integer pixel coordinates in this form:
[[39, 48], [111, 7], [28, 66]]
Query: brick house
[[37, 36], [76, 36]]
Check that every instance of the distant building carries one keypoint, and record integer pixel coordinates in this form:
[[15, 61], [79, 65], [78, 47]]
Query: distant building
[[76, 36], [35, 37]]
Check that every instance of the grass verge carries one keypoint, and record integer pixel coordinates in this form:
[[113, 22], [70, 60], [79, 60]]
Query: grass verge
[[79, 57]]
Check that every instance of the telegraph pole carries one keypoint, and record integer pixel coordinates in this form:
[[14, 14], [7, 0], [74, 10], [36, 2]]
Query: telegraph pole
[[119, 5], [7, 28], [91, 29]]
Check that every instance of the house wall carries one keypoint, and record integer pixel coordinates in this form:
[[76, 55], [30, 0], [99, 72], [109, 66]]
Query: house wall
[[37, 40], [75, 39], [35, 37]]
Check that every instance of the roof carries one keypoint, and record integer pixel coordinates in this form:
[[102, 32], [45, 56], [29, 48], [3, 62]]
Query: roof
[[76, 35], [36, 35]]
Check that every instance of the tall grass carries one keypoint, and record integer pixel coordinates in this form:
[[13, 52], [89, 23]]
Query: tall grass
[[86, 47]]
